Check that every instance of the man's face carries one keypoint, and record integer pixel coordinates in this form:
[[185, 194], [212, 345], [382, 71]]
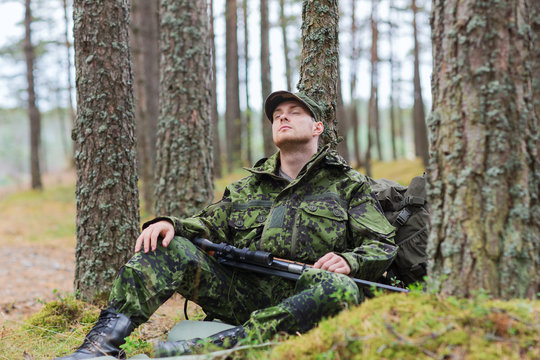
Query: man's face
[[292, 123]]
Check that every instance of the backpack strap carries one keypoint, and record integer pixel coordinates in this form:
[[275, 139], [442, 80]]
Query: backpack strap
[[414, 196]]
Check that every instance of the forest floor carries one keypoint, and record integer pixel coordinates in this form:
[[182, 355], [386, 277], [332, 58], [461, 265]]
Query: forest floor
[[37, 237]]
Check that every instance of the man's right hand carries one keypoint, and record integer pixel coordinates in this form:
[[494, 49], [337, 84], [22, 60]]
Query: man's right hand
[[149, 236]]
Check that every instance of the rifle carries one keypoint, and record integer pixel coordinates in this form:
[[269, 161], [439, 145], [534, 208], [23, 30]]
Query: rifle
[[264, 263]]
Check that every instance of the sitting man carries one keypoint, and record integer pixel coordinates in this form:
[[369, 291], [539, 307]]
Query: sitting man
[[303, 203]]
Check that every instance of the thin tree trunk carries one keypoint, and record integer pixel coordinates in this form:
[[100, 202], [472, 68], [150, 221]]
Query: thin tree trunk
[[144, 39], [373, 107], [232, 109], [247, 126], [420, 129], [399, 111], [184, 158], [393, 125], [484, 172], [354, 65], [283, 24], [104, 135], [218, 150], [69, 66], [33, 111], [266, 82], [374, 93], [319, 68], [342, 122]]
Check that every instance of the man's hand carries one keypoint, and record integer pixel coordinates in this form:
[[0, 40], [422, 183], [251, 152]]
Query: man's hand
[[150, 235], [334, 263]]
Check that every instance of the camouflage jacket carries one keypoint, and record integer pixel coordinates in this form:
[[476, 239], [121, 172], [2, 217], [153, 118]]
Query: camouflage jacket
[[328, 207]]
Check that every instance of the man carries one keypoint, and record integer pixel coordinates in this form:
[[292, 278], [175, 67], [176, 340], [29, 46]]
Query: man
[[302, 204]]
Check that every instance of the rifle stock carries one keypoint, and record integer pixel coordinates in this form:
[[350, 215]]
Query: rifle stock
[[264, 263]]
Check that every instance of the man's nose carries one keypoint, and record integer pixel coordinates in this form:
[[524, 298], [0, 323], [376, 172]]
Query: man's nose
[[283, 117]]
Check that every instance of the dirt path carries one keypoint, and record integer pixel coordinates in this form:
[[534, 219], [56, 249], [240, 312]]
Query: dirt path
[[31, 274]]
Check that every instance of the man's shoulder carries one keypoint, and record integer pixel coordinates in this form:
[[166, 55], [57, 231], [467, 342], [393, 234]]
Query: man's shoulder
[[335, 161]]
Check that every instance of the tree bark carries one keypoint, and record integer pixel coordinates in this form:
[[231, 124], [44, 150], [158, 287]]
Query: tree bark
[[266, 82], [33, 111], [218, 151], [145, 45], [319, 66], [232, 108], [485, 167], [419, 115], [104, 135], [184, 146]]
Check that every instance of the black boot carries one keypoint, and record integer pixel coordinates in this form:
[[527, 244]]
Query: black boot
[[226, 338], [105, 337]]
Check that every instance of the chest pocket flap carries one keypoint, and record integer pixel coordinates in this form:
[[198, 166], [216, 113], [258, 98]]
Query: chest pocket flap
[[249, 215], [329, 208]]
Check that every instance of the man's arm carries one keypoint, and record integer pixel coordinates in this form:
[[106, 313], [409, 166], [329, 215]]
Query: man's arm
[[211, 223], [372, 236]]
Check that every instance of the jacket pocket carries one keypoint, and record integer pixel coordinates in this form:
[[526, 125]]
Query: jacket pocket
[[321, 227], [246, 222]]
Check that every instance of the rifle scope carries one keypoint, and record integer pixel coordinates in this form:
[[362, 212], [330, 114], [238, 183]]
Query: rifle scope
[[230, 252]]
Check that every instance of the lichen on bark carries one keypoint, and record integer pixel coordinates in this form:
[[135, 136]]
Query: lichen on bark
[[484, 167], [319, 66], [183, 182], [104, 136]]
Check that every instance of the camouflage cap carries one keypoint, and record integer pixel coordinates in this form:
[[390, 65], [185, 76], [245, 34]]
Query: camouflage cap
[[277, 97]]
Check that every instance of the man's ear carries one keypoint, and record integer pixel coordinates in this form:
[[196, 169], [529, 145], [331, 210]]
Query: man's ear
[[318, 128]]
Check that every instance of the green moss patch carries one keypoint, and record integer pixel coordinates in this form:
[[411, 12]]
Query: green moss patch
[[423, 326]]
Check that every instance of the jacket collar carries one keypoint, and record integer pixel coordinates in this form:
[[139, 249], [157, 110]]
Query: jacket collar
[[324, 156]]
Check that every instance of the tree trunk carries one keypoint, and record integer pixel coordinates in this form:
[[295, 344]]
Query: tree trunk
[[68, 63], [484, 169], [184, 146], [319, 67], [283, 24], [33, 111], [342, 122], [354, 65], [247, 123], [145, 45], [232, 109], [420, 130], [266, 82], [218, 151], [373, 107], [393, 125], [534, 21], [374, 93], [104, 135]]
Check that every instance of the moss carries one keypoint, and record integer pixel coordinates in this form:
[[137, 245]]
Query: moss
[[61, 315], [418, 326]]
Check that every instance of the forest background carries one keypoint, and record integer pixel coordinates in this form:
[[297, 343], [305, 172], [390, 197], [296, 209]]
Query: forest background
[[394, 106]]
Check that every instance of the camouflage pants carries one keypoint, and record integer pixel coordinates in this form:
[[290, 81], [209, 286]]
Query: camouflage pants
[[267, 304]]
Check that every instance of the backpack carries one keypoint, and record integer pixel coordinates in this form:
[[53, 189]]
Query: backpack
[[407, 210]]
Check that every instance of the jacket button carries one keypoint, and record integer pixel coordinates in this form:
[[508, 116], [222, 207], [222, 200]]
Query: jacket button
[[337, 212], [239, 223], [261, 218], [312, 207]]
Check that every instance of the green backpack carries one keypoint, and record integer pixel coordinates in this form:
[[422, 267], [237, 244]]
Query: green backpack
[[407, 210]]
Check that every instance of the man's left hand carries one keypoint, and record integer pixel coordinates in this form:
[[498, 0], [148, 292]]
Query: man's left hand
[[333, 262]]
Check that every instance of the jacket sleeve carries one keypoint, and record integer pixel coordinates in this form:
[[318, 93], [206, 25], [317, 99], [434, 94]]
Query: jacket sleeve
[[371, 240], [210, 223]]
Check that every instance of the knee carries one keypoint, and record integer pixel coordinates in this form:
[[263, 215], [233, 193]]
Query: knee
[[342, 287]]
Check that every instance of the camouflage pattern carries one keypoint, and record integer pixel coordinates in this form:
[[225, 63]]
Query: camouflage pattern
[[328, 207]]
